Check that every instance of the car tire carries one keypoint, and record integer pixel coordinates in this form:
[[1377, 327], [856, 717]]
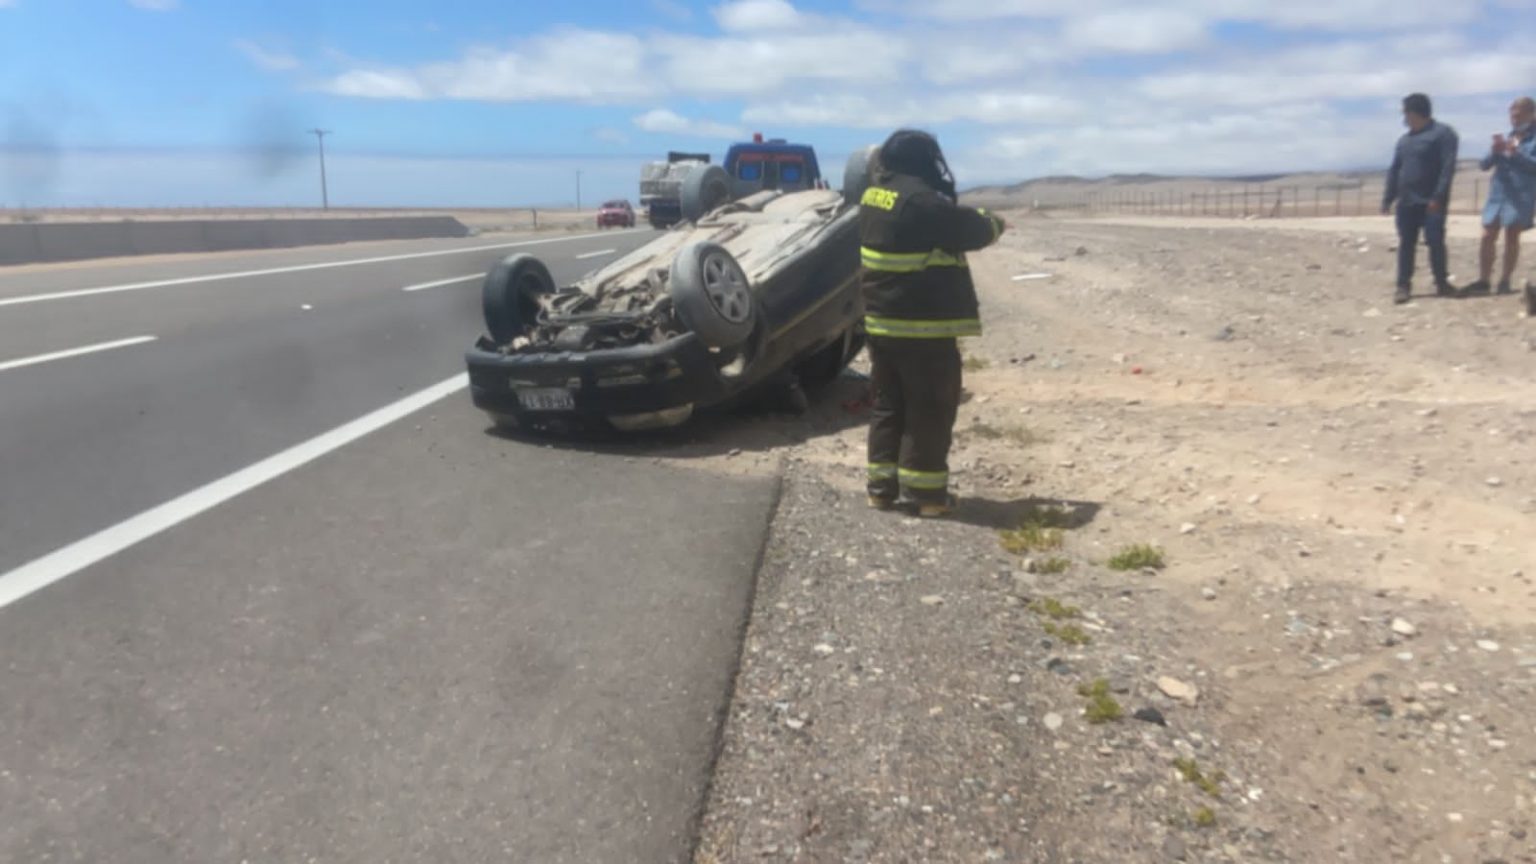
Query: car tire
[[823, 367], [509, 297], [704, 189], [858, 174], [712, 295]]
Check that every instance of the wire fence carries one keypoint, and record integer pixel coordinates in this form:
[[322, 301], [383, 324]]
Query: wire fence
[[1255, 201]]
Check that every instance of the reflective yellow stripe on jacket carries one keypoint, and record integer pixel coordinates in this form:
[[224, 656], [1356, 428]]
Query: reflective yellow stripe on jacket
[[908, 262], [903, 328]]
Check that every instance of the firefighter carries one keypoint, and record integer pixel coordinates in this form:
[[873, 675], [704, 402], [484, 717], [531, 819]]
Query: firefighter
[[919, 300]]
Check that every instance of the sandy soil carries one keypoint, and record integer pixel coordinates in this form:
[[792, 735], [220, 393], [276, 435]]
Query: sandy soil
[[1340, 643]]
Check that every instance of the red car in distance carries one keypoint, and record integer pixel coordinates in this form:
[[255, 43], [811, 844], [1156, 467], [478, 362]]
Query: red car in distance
[[616, 214]]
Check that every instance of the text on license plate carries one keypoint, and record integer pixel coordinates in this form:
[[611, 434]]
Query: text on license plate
[[546, 399]]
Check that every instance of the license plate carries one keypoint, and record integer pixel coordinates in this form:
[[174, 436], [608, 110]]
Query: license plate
[[547, 399]]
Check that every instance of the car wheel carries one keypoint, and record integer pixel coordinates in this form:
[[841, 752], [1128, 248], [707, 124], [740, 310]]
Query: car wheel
[[858, 174], [510, 295], [823, 367], [705, 189], [712, 296]]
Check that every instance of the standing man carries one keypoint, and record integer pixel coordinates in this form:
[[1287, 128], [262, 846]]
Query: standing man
[[919, 300], [1420, 182], [1512, 196]]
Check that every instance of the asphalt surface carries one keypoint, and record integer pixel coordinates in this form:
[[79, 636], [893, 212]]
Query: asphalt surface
[[428, 644]]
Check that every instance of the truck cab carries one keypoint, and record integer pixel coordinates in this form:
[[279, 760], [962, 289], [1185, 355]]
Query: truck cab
[[688, 185], [773, 164]]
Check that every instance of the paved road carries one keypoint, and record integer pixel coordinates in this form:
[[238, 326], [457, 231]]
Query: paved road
[[275, 595]]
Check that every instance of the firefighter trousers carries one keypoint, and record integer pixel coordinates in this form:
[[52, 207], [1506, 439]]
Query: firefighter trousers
[[917, 396]]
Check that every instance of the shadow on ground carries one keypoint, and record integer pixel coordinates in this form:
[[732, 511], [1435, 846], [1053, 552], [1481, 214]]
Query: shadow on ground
[[1008, 515]]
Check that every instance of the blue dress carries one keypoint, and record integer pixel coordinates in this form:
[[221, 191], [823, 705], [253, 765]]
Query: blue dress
[[1512, 197]]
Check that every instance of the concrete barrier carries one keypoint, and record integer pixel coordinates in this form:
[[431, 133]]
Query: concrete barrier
[[165, 238], [75, 241], [62, 242], [18, 244]]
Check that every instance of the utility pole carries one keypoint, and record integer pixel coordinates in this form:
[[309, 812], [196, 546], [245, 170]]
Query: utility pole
[[578, 189], [325, 197]]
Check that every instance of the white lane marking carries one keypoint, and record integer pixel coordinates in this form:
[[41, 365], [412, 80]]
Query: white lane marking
[[585, 255], [441, 282], [297, 268], [74, 352], [42, 572]]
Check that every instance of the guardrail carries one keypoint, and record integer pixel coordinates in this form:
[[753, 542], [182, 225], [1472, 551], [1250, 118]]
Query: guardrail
[[1250, 201], [35, 242]]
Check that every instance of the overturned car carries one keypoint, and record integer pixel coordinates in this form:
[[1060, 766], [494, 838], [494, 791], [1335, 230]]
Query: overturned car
[[757, 289]]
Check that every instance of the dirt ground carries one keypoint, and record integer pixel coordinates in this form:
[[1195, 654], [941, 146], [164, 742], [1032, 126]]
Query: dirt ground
[[1336, 662]]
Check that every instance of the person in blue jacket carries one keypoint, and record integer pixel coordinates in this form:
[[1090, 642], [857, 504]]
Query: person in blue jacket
[[1511, 205]]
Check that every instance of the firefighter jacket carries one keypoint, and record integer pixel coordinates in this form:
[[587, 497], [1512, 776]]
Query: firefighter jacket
[[915, 279]]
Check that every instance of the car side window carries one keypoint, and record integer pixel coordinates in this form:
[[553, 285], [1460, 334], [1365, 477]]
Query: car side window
[[749, 171], [790, 173]]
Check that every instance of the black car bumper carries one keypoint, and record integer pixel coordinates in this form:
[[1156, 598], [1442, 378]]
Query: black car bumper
[[660, 380]]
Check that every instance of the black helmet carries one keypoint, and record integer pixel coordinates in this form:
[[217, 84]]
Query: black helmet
[[916, 153]]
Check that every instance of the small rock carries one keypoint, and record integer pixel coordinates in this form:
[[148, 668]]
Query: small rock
[[1488, 645], [1188, 528], [1225, 334], [1151, 715], [1518, 834], [932, 600], [1494, 481], [1178, 690], [1373, 313], [1053, 721], [1254, 499], [1015, 679], [1058, 666], [1031, 565], [1403, 627], [1081, 251], [1208, 593], [1175, 849], [824, 649], [794, 723]]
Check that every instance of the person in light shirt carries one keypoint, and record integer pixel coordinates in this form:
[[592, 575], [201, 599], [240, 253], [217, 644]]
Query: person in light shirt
[[1511, 205]]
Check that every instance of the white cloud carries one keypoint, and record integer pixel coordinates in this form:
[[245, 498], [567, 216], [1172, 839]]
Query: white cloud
[[567, 65], [274, 61], [605, 68], [155, 5], [740, 66], [1335, 15], [1137, 31], [756, 16], [664, 120], [1021, 82]]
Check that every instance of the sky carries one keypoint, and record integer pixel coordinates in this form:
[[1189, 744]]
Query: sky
[[508, 103]]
